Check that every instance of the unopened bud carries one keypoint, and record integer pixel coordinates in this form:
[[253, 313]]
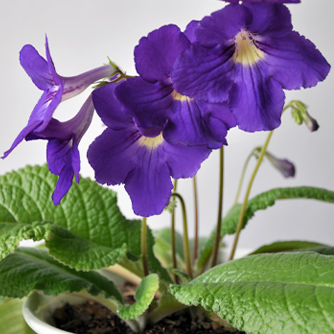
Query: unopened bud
[[284, 166], [300, 115]]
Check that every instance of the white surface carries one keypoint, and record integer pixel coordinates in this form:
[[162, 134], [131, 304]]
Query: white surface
[[83, 33]]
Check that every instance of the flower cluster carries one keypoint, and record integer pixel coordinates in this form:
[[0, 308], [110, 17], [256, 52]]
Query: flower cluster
[[227, 70]]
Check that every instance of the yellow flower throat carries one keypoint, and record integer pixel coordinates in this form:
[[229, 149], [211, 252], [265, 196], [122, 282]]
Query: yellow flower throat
[[246, 52]]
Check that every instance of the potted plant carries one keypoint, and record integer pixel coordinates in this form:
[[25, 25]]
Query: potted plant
[[227, 70]]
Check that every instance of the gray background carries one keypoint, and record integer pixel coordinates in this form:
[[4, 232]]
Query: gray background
[[82, 34]]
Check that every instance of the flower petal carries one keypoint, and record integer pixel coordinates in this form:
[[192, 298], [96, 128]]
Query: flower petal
[[223, 25], [264, 1], [109, 108], [269, 20], [295, 62], [148, 103], [149, 185], [204, 73], [184, 161], [36, 67], [64, 160], [197, 122], [155, 55], [114, 154], [256, 100]]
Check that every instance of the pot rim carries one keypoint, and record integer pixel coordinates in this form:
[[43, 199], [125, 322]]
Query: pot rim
[[38, 308]]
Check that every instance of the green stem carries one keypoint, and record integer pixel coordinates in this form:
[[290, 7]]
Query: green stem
[[242, 177], [220, 208], [244, 204], [143, 246], [196, 220], [173, 242], [185, 235]]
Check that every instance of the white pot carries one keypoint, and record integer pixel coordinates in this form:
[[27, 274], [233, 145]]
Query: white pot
[[38, 309]]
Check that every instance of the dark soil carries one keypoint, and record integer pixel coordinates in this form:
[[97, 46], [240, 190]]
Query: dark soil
[[94, 318]]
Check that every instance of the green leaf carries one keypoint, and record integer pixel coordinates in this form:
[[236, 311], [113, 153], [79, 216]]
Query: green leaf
[[91, 232], [285, 246], [31, 269], [11, 319], [262, 202], [162, 248], [144, 296], [268, 198], [268, 293]]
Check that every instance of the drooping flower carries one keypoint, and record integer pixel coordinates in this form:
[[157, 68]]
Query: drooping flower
[[190, 122], [62, 150], [55, 88], [284, 166], [246, 55], [140, 158]]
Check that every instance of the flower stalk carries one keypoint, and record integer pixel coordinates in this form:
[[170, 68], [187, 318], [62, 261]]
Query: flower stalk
[[220, 208], [244, 204], [196, 219], [143, 246], [185, 235]]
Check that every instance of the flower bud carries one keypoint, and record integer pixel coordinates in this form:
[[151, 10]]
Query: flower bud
[[284, 166]]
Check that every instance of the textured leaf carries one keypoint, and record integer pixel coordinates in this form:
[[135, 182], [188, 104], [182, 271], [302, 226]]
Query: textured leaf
[[285, 246], [144, 296], [268, 293], [91, 232], [262, 202], [11, 319], [31, 269]]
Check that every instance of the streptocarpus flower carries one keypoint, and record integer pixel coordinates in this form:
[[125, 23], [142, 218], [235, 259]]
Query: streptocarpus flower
[[55, 88], [247, 54], [141, 159], [152, 94], [268, 1], [62, 150]]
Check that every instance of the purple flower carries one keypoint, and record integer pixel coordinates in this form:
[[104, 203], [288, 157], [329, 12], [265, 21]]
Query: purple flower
[[152, 97], [141, 158], [62, 150], [55, 88], [268, 1], [246, 55]]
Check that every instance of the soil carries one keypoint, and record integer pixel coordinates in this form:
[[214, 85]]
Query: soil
[[94, 318]]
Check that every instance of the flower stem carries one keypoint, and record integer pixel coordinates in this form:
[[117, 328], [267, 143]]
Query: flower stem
[[244, 204], [242, 177], [143, 246], [220, 208], [185, 235], [172, 229], [196, 219]]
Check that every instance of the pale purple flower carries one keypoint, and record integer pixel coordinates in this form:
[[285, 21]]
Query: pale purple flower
[[55, 88], [62, 150]]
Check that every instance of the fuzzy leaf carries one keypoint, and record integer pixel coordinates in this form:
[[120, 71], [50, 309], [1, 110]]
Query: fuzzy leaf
[[31, 269], [91, 232], [11, 319], [268, 293], [286, 246], [144, 296], [262, 202]]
